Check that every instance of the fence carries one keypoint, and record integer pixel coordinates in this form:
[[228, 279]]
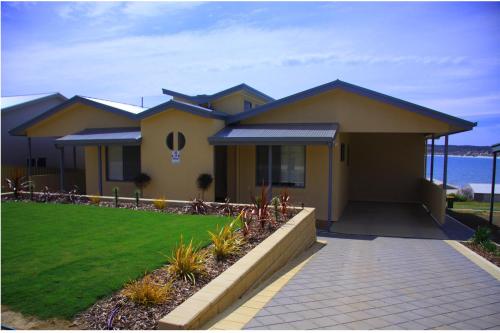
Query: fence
[[42, 177]]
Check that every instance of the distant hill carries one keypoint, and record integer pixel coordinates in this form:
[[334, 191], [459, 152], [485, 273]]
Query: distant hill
[[462, 150]]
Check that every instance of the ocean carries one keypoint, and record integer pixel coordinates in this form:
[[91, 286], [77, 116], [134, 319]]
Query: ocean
[[463, 170]]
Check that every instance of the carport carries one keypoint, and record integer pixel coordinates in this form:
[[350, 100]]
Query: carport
[[409, 220]]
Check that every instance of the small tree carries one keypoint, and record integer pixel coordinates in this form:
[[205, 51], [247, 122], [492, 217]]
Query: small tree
[[141, 181], [204, 181]]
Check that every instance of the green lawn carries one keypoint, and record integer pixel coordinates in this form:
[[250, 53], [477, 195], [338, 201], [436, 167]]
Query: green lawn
[[476, 205], [58, 259]]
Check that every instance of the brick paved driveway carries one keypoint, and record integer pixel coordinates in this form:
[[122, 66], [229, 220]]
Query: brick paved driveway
[[385, 283]]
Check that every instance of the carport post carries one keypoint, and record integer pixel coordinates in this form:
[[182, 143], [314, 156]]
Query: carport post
[[330, 181], [270, 172], [61, 169], [29, 158], [432, 159], [99, 167], [493, 180], [445, 164]]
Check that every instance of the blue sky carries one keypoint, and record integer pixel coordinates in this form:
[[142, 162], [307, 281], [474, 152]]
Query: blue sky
[[445, 56]]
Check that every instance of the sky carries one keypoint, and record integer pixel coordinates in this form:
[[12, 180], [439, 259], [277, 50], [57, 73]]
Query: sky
[[445, 56]]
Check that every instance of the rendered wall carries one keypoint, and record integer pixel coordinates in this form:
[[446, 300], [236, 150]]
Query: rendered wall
[[234, 103], [354, 113], [77, 118], [386, 167], [177, 181], [434, 198]]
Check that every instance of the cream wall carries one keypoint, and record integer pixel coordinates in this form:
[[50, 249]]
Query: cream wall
[[234, 103], [76, 118], [386, 167], [354, 113], [126, 189], [177, 181]]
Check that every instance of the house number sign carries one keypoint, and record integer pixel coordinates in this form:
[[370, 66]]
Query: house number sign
[[176, 151]]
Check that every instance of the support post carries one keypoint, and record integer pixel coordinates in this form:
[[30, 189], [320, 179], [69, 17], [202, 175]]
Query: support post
[[330, 181], [99, 167], [493, 181], [432, 160], [445, 164], [29, 158], [74, 157], [61, 169], [270, 172]]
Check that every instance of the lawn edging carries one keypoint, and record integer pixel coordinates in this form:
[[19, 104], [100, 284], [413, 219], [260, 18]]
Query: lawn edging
[[483, 263], [274, 252]]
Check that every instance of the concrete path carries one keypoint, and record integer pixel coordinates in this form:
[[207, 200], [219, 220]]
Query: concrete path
[[362, 282]]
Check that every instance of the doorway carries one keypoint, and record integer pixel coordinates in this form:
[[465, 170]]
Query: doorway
[[220, 173]]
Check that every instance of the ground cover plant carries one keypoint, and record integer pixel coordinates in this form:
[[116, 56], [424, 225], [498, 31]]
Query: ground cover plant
[[58, 260]]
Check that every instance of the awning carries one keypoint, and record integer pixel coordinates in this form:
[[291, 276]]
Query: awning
[[279, 134], [97, 136]]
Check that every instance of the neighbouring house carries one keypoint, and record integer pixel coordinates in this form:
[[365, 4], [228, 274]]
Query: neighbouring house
[[327, 145], [482, 192], [17, 110]]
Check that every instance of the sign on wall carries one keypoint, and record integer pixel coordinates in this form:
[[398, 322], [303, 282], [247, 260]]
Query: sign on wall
[[181, 142]]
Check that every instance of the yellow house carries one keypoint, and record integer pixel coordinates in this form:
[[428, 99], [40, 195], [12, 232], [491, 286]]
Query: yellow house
[[326, 146]]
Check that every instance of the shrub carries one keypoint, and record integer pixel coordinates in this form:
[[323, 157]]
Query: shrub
[[284, 199], [276, 202], [489, 246], [160, 203], [260, 207], [95, 199], [187, 262], [226, 241], [226, 208], [16, 184], [198, 207], [203, 182], [481, 235], [145, 291], [141, 181]]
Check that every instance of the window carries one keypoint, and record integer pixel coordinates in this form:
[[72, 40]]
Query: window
[[123, 162], [288, 165], [342, 152], [247, 105], [41, 162]]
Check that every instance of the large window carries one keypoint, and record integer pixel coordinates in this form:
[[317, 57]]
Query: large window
[[123, 163], [288, 165]]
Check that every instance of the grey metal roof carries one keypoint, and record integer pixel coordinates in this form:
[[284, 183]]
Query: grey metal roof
[[495, 148], [93, 136], [338, 84], [186, 107], [310, 133], [200, 99], [11, 102], [135, 109]]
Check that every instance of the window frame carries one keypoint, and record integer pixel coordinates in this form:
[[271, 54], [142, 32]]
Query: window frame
[[245, 103], [281, 185], [107, 164]]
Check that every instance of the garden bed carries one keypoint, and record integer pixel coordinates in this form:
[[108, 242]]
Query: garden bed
[[490, 256], [118, 311]]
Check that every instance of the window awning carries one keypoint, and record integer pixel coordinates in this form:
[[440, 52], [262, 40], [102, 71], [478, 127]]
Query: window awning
[[270, 134], [98, 136]]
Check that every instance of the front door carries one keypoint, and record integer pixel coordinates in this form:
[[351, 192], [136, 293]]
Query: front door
[[220, 173]]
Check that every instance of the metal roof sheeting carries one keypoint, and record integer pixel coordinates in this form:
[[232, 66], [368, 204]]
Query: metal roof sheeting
[[312, 133], [89, 136], [10, 101], [122, 106]]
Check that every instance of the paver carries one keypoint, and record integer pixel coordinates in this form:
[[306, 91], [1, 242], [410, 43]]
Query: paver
[[359, 282]]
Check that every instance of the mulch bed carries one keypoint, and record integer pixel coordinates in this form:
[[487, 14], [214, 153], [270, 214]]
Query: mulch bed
[[119, 312], [485, 254]]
